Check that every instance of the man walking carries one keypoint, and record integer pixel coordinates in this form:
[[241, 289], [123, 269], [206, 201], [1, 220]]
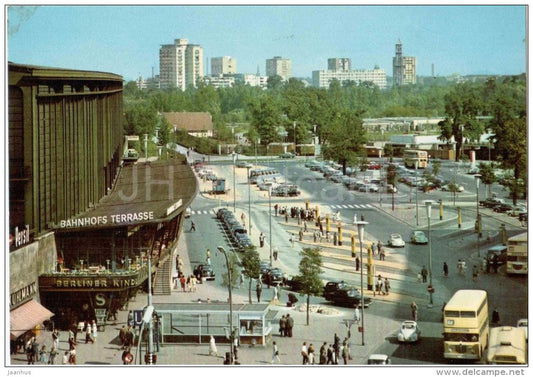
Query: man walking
[[282, 325], [258, 290], [290, 325], [275, 353]]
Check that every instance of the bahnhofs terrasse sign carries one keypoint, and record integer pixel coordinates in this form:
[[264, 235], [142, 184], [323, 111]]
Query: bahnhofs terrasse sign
[[122, 218]]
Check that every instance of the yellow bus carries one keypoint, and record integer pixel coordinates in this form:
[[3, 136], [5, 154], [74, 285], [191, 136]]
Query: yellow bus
[[517, 254], [411, 156], [507, 345], [466, 325]]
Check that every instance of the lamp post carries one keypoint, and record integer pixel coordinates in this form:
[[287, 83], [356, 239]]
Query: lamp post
[[270, 222], [223, 251], [416, 192], [234, 210], [428, 204], [294, 126], [361, 231], [249, 211], [477, 177]]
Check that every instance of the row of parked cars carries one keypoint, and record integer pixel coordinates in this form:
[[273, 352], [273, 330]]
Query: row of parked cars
[[500, 206], [235, 230], [333, 172]]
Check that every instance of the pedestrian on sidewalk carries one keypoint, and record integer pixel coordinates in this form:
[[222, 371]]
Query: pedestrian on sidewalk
[[208, 256], [55, 338], [474, 273], [379, 285], [52, 356], [445, 269], [301, 235], [355, 219], [261, 240], [282, 325], [323, 354], [43, 355], [65, 358], [290, 325], [275, 253], [424, 273], [357, 315], [414, 311], [88, 333], [305, 355], [311, 354], [276, 209], [330, 355], [193, 227], [305, 226], [373, 248], [275, 353], [337, 347], [94, 329], [286, 217], [357, 263], [213, 347], [258, 290], [344, 352], [292, 240]]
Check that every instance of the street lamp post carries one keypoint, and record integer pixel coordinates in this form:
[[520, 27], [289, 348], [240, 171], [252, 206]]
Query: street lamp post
[[428, 204], [416, 192], [234, 210], [477, 177], [270, 222], [249, 201], [294, 126], [223, 251], [361, 231]]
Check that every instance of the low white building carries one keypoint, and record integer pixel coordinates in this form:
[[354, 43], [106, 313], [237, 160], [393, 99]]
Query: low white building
[[323, 78]]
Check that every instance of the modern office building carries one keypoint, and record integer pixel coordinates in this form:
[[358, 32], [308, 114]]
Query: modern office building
[[225, 65], [277, 66], [83, 223], [339, 64], [180, 64], [403, 68], [377, 76]]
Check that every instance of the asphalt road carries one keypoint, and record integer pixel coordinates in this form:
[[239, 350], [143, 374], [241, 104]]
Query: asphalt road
[[448, 244]]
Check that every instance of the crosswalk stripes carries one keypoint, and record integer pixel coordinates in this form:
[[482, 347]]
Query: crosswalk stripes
[[203, 212], [352, 206]]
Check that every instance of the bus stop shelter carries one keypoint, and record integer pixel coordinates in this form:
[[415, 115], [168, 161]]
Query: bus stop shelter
[[197, 322]]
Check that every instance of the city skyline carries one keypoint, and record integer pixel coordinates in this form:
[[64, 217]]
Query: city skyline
[[125, 40]]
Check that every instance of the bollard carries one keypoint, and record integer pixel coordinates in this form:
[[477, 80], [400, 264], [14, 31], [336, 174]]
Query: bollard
[[459, 217], [339, 229]]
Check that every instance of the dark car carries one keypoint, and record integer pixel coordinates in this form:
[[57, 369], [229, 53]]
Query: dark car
[[501, 208], [491, 202], [204, 271], [295, 283], [342, 294], [273, 276], [497, 254], [264, 266]]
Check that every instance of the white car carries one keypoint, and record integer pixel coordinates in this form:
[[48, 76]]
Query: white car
[[188, 212], [449, 187], [522, 324], [379, 359], [396, 240], [409, 332]]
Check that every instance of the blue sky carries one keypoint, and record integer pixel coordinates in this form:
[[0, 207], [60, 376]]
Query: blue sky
[[125, 40]]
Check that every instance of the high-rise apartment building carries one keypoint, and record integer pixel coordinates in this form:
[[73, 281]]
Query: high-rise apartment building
[[339, 64], [180, 64], [225, 65], [280, 67], [377, 76], [403, 67]]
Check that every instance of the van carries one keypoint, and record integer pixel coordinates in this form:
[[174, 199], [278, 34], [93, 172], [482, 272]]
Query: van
[[499, 252]]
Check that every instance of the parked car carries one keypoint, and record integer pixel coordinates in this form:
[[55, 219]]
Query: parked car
[[491, 202], [516, 210], [263, 267], [374, 166], [243, 164], [396, 240], [473, 170], [453, 187], [373, 188], [379, 359], [204, 271], [391, 188], [188, 212], [295, 283], [419, 237], [409, 332], [273, 276], [286, 155], [211, 177], [342, 294], [501, 208]]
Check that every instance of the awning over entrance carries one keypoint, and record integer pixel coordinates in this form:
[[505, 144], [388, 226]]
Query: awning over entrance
[[27, 317]]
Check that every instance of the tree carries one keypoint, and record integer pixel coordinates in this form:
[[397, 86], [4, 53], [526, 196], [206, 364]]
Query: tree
[[488, 177], [310, 270], [435, 167], [164, 132], [462, 106], [266, 116], [346, 140], [251, 264], [234, 268], [388, 151]]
